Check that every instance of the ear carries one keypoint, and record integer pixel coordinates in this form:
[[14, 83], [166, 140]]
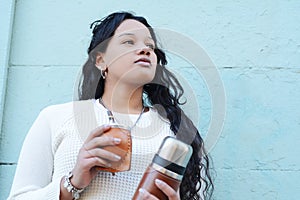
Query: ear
[[100, 63]]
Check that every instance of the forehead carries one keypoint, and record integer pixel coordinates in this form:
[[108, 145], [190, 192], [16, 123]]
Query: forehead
[[132, 26]]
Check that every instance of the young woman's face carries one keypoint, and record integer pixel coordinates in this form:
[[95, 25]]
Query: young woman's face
[[130, 56]]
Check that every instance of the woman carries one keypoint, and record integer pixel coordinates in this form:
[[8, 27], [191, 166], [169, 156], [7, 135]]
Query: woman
[[125, 74]]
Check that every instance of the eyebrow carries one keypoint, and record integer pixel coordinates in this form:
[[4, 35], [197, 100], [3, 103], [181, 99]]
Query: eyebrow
[[124, 34]]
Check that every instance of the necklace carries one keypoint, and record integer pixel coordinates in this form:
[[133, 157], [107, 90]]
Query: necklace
[[112, 118]]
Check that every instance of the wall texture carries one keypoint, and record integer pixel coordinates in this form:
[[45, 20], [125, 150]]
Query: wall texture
[[254, 45]]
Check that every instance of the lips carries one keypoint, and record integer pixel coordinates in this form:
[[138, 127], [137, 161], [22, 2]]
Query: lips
[[143, 61]]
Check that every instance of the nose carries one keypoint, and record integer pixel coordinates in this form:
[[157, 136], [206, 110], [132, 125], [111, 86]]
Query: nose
[[144, 51]]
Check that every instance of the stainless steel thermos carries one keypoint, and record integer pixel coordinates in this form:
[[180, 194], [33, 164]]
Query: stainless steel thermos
[[168, 165]]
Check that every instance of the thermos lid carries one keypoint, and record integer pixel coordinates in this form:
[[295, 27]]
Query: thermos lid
[[175, 151]]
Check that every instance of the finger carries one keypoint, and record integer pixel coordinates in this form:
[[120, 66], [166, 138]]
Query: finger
[[104, 140], [98, 131], [91, 162], [144, 194], [104, 154], [167, 189]]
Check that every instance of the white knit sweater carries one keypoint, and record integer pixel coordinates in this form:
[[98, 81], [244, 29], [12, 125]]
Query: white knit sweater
[[50, 150]]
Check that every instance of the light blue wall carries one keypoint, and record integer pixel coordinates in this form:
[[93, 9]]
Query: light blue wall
[[255, 46], [6, 19]]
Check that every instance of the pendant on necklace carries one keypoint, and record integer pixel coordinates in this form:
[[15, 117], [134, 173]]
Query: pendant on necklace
[[112, 118]]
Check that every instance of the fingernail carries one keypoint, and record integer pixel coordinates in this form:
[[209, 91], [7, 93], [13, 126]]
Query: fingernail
[[159, 182], [106, 125], [117, 140], [142, 191], [117, 157]]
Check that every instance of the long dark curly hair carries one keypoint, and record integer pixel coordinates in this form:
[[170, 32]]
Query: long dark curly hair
[[163, 92]]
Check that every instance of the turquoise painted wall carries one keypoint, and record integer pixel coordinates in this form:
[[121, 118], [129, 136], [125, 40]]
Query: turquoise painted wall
[[254, 45]]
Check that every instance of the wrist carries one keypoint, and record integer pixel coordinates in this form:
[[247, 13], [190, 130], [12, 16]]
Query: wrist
[[67, 184]]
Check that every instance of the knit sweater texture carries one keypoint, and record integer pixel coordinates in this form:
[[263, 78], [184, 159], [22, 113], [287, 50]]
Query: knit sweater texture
[[52, 144]]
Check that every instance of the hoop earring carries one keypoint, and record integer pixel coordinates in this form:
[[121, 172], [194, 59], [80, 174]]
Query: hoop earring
[[102, 72]]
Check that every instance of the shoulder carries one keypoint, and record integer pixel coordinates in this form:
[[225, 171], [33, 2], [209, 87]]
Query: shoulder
[[60, 113], [67, 108]]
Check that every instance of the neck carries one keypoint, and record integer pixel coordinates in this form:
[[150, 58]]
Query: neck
[[123, 99]]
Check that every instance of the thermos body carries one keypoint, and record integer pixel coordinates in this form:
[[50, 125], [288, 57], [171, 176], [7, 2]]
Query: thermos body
[[168, 165], [148, 183]]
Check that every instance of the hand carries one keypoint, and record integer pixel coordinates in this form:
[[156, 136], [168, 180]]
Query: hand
[[164, 187], [92, 155]]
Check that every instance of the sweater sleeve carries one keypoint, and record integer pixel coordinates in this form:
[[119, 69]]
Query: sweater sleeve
[[33, 177]]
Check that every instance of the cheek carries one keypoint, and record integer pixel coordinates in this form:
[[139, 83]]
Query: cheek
[[122, 63], [119, 57], [119, 65], [113, 53]]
